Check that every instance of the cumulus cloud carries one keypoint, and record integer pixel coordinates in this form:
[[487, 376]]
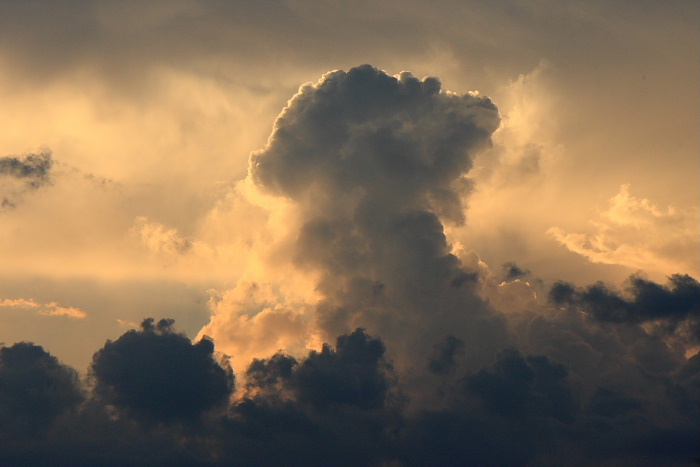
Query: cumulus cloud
[[254, 320], [368, 167], [35, 389], [637, 233], [156, 374]]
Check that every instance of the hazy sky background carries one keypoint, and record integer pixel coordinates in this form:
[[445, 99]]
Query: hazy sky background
[[141, 176], [150, 111]]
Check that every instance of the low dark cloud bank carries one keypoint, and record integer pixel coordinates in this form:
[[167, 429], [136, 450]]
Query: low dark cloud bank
[[154, 398], [644, 301], [423, 370], [158, 375]]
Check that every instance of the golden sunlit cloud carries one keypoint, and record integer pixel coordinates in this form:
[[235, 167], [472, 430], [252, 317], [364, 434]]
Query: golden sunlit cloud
[[637, 233], [54, 309], [19, 303], [46, 309]]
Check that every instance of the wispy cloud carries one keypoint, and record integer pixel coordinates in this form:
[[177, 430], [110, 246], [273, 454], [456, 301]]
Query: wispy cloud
[[46, 309], [22, 174], [638, 233]]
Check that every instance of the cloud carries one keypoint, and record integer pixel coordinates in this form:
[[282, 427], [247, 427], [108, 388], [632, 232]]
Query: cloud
[[47, 309], [54, 309], [400, 131], [159, 239], [34, 169], [158, 375], [364, 168], [19, 302], [352, 374], [22, 174], [673, 309], [442, 360], [637, 233], [433, 358], [154, 393], [35, 389], [519, 385], [512, 271], [254, 320]]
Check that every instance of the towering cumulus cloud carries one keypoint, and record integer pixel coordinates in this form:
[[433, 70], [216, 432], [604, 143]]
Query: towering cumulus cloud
[[407, 352], [373, 165]]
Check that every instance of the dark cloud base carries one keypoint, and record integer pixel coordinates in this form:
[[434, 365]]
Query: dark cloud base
[[154, 398]]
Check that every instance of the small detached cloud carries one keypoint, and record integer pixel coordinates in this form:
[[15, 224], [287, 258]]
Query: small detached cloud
[[170, 247], [158, 238], [18, 303], [22, 174], [54, 309], [511, 271], [46, 309]]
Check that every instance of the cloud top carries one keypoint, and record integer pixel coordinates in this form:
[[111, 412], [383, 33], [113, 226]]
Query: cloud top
[[365, 136]]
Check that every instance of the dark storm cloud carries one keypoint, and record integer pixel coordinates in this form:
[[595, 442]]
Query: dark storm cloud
[[442, 359], [270, 376], [363, 133], [520, 386], [375, 164], [643, 301], [19, 174], [496, 417], [353, 373], [334, 407], [159, 375], [35, 389], [339, 406]]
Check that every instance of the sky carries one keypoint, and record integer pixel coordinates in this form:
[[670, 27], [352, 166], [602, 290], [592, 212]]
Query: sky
[[382, 234]]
